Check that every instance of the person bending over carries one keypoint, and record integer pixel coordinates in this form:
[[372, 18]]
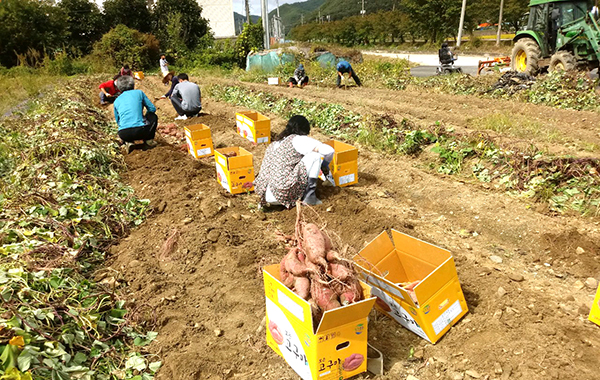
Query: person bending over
[[134, 126], [291, 166], [300, 78], [344, 67], [108, 91], [186, 98], [174, 79], [125, 70]]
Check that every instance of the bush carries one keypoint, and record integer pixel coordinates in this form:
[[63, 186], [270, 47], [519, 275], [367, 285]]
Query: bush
[[122, 45], [63, 64]]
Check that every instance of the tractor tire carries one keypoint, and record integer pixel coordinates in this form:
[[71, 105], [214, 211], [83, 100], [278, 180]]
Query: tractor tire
[[562, 61], [526, 55]]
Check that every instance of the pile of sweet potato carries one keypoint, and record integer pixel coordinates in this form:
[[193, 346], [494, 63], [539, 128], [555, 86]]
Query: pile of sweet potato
[[315, 272], [172, 130]]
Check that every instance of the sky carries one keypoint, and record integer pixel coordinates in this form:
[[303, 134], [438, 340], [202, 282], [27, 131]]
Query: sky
[[239, 7]]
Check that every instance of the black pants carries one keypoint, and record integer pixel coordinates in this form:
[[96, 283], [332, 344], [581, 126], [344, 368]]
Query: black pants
[[354, 76], [293, 81], [179, 108], [145, 132]]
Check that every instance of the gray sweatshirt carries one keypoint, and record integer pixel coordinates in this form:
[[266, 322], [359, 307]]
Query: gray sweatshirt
[[190, 96]]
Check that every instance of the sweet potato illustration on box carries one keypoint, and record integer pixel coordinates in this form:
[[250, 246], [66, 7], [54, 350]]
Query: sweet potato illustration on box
[[275, 333]]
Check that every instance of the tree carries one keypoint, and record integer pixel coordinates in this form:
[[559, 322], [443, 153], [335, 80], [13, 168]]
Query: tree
[[251, 39], [28, 26], [434, 20], [123, 45], [192, 26], [84, 23], [134, 14]]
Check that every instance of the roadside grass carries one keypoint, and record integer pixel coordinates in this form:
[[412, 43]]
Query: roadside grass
[[567, 184], [506, 123]]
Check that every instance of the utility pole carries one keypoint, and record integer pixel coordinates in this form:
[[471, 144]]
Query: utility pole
[[462, 22], [500, 23], [265, 22], [248, 19], [301, 18], [362, 11]]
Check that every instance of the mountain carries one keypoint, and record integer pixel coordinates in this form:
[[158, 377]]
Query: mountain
[[338, 9], [239, 21], [291, 14]]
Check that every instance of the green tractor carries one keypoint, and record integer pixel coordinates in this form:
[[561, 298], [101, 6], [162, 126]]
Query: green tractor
[[560, 35]]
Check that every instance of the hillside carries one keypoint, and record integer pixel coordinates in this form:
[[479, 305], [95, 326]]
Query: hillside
[[241, 19], [291, 14], [338, 9]]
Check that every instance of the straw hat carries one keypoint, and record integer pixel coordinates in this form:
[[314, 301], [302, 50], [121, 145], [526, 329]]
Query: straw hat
[[165, 80]]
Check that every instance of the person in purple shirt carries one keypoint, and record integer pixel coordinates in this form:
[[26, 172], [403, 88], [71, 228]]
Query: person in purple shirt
[[344, 67]]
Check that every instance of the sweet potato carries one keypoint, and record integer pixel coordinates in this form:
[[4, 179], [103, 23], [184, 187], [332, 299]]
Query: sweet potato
[[353, 292], [327, 240], [352, 362], [340, 271], [333, 257], [302, 287], [314, 244], [325, 298], [286, 277], [292, 264]]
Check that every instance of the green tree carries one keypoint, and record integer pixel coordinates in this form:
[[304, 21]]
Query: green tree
[[251, 39], [134, 14], [30, 25], [192, 26], [123, 45], [84, 23], [434, 20]]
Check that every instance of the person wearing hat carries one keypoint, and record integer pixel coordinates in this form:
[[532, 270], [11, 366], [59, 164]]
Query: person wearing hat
[[300, 78], [164, 65]]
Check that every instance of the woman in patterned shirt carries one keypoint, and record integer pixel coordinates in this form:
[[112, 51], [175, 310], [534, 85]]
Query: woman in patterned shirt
[[291, 166]]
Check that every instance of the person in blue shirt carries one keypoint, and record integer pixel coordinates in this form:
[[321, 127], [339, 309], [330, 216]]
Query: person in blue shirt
[[134, 126], [344, 67]]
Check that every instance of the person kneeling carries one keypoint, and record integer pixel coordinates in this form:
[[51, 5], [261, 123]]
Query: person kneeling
[[186, 98], [291, 166], [134, 126], [300, 78]]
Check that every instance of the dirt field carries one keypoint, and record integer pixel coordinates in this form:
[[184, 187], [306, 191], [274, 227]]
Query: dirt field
[[528, 313]]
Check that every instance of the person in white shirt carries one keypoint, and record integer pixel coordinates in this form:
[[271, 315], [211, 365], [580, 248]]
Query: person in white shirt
[[164, 65], [291, 166]]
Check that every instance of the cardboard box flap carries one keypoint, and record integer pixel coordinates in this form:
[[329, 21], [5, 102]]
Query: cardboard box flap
[[347, 314], [243, 158], [197, 132], [375, 251], [436, 280], [427, 252], [343, 152], [253, 115], [294, 307]]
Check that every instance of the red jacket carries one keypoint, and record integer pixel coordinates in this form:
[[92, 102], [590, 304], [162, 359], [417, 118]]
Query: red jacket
[[109, 87]]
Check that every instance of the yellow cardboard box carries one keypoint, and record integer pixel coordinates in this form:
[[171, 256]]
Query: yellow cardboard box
[[199, 140], [138, 75], [439, 301], [253, 126], [595, 311], [335, 349], [344, 166], [235, 174]]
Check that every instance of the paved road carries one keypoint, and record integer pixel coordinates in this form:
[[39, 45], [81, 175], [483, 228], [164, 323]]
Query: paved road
[[428, 62]]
